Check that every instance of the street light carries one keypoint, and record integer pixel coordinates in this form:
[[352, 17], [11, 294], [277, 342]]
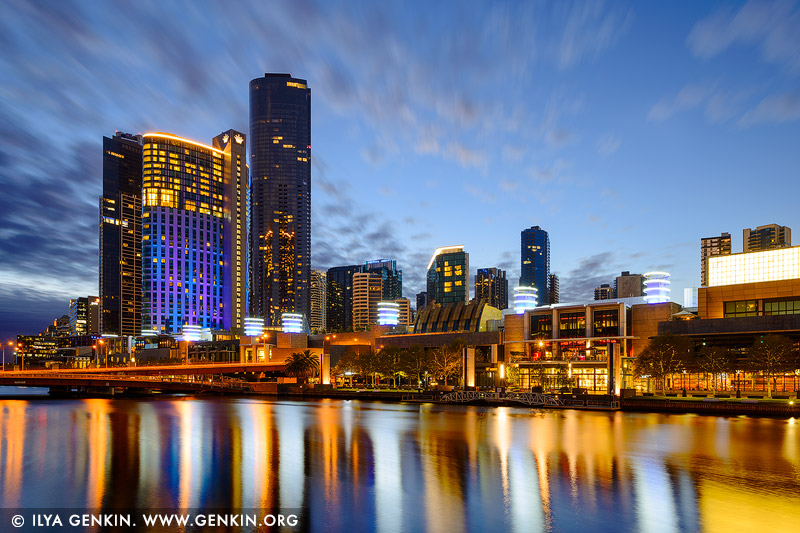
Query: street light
[[10, 343], [102, 342]]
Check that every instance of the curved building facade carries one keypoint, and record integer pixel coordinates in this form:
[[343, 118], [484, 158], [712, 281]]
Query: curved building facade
[[280, 163], [194, 233]]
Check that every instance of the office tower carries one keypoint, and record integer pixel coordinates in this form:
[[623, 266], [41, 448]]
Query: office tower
[[422, 300], [604, 292], [535, 257], [280, 168], [392, 278], [448, 275], [405, 311], [194, 233], [121, 236], [628, 285], [319, 288], [491, 285], [766, 238], [339, 304], [367, 292], [84, 316], [713, 246], [552, 289]]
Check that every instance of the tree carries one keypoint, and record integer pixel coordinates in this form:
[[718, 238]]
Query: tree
[[302, 364], [390, 363], [416, 362], [370, 364], [348, 365], [446, 360], [715, 360], [665, 355], [772, 355]]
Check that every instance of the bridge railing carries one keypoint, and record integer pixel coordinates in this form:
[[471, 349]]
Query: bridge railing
[[527, 398]]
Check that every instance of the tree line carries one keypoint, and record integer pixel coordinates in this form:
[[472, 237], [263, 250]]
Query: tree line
[[414, 365], [666, 355]]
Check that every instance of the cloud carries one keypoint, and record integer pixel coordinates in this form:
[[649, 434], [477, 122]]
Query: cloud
[[509, 185], [773, 109], [690, 96], [480, 194], [770, 26], [579, 283], [588, 28], [608, 144]]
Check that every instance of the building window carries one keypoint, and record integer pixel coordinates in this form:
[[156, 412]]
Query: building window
[[606, 323], [572, 325], [541, 326], [781, 307], [741, 308]]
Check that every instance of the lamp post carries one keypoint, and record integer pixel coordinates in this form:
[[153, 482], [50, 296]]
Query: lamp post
[[102, 342], [4, 354]]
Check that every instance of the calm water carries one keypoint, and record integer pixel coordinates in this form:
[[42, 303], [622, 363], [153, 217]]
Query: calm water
[[387, 467]]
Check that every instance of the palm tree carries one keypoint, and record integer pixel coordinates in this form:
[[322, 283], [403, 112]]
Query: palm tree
[[302, 364]]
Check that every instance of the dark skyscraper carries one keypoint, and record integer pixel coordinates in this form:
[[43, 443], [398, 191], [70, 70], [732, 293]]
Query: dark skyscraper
[[280, 168], [121, 235], [391, 278], [491, 285], [339, 303], [535, 255], [448, 275]]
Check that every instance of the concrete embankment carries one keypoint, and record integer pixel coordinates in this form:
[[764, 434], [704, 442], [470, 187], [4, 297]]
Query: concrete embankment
[[713, 406]]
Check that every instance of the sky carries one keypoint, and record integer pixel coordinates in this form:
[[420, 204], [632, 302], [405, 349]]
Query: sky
[[627, 130]]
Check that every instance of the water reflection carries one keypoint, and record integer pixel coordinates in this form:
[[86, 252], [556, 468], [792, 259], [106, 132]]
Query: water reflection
[[391, 467]]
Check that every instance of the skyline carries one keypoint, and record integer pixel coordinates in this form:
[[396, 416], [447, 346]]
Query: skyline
[[413, 111]]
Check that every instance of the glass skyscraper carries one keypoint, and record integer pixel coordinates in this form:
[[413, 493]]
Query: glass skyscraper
[[194, 238], [121, 235], [280, 165], [448, 275], [535, 257]]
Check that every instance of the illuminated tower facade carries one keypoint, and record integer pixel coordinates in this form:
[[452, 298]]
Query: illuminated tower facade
[[121, 236], [535, 257], [194, 233], [280, 165], [448, 275]]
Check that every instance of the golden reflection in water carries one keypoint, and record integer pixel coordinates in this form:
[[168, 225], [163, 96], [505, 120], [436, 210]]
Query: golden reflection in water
[[12, 429], [186, 423], [444, 501], [328, 420], [260, 443], [97, 411], [502, 431]]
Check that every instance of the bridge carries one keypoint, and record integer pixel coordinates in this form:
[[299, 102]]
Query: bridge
[[188, 378]]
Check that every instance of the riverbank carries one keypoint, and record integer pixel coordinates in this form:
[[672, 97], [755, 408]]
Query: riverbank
[[712, 405]]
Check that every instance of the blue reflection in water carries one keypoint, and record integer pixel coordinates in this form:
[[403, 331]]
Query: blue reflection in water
[[393, 467]]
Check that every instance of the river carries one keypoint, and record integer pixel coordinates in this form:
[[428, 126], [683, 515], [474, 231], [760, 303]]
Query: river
[[350, 465]]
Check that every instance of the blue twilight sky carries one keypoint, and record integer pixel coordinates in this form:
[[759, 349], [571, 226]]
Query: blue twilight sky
[[627, 130]]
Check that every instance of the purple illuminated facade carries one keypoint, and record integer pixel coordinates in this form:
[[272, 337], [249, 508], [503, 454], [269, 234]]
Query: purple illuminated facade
[[193, 230]]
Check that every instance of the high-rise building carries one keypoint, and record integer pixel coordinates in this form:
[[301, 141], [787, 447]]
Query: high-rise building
[[339, 297], [319, 288], [448, 275], [710, 246], [628, 285], [367, 292], [84, 316], [535, 257], [552, 289], [392, 278], [766, 238], [604, 292], [422, 300], [491, 285], [280, 166], [121, 236], [194, 233], [405, 311]]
